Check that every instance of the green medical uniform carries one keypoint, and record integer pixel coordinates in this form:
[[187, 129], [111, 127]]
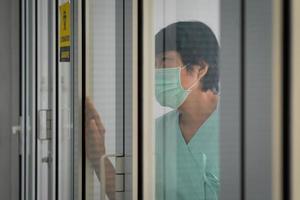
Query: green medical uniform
[[187, 171]]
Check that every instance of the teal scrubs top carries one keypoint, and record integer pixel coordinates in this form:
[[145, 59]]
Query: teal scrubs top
[[187, 171]]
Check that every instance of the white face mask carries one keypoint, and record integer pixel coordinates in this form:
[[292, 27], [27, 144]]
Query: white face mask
[[168, 89]]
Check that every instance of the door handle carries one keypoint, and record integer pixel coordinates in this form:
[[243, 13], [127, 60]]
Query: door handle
[[47, 159], [17, 130], [45, 124], [119, 173]]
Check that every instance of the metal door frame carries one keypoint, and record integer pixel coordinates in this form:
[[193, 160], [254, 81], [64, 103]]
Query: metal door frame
[[28, 186], [29, 60]]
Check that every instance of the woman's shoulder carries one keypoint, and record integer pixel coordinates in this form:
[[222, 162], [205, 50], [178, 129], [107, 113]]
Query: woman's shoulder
[[164, 128], [166, 119]]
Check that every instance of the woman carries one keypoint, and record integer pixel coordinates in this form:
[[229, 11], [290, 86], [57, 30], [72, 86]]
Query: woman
[[187, 80]]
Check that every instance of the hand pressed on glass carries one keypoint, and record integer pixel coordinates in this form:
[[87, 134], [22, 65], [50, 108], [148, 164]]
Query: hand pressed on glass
[[95, 146], [95, 134]]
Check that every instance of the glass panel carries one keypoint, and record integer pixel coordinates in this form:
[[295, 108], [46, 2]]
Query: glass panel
[[104, 103], [187, 91], [76, 40], [44, 104], [65, 103]]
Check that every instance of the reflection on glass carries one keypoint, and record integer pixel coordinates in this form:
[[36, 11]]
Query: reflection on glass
[[187, 81], [101, 112]]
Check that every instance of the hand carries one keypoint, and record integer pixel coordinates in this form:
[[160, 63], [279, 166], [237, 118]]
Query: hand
[[95, 146], [94, 134]]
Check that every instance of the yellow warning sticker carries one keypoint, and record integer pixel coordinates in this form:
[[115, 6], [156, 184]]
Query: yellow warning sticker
[[64, 32]]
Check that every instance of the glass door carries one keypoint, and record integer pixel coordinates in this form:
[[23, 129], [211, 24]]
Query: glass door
[[108, 99], [210, 99], [181, 99], [38, 64], [45, 65], [38, 100], [28, 164], [65, 99], [47, 88]]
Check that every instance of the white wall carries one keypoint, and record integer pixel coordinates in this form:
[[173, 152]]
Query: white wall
[[9, 98]]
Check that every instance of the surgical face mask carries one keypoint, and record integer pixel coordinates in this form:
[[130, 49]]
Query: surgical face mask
[[168, 89]]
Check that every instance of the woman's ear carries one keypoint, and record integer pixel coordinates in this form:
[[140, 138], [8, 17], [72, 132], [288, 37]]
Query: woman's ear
[[201, 70]]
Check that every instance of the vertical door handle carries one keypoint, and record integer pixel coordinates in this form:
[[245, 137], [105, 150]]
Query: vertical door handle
[[119, 173], [17, 130], [45, 124]]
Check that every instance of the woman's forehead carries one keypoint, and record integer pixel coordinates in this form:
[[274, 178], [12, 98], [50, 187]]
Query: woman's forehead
[[171, 54], [168, 59]]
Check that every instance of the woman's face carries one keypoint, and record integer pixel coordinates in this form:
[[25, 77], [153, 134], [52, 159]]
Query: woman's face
[[172, 59]]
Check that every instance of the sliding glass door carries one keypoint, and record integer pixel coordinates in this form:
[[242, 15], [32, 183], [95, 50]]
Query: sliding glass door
[[108, 99]]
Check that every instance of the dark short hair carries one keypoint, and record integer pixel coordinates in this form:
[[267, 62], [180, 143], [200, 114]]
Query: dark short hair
[[195, 42]]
